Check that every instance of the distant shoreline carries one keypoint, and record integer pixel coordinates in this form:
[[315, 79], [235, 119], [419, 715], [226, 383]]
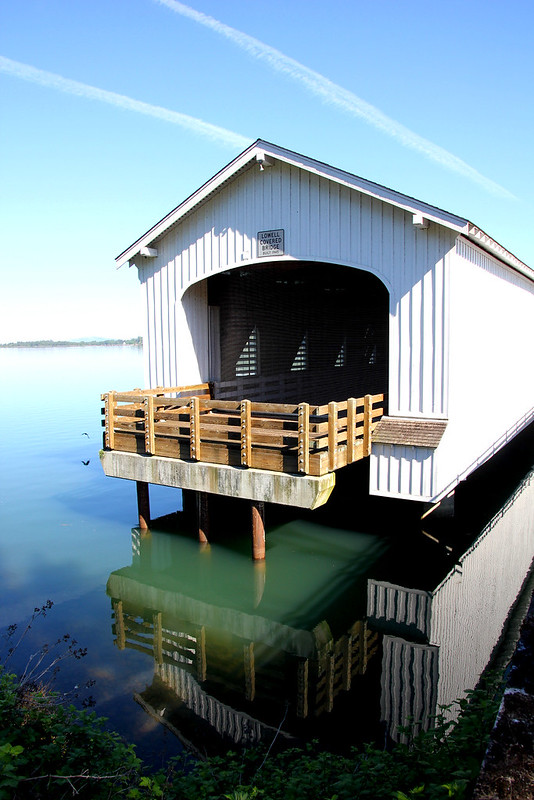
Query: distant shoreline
[[137, 342]]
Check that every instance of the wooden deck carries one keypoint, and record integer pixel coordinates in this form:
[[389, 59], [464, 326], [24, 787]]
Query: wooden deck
[[184, 422]]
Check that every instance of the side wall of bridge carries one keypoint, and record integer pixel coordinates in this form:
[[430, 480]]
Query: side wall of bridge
[[491, 381]]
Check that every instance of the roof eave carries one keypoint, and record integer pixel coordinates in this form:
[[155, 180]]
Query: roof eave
[[479, 237], [255, 153], [189, 203], [261, 149]]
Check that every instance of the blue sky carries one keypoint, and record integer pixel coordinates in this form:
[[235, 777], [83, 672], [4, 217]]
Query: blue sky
[[111, 113]]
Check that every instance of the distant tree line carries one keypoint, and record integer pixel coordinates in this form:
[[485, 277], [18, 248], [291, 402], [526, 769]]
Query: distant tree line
[[96, 343]]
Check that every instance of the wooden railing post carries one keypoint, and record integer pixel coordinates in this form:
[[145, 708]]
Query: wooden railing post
[[109, 420], [328, 703], [332, 435], [367, 420], [351, 428], [194, 429], [150, 439], [246, 443], [304, 438]]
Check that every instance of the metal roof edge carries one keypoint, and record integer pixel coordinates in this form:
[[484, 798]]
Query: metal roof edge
[[485, 242]]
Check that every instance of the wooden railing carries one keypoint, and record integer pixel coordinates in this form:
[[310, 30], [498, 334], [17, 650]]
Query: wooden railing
[[184, 422]]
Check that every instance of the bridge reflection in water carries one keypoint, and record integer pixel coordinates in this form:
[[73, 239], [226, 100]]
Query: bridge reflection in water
[[239, 646], [324, 639]]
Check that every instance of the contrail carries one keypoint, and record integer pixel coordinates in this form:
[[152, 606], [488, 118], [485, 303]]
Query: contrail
[[53, 81], [332, 94]]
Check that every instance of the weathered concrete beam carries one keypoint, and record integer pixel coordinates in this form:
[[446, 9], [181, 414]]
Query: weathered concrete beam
[[301, 491]]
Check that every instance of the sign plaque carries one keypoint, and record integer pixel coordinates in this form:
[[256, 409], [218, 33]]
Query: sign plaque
[[271, 243]]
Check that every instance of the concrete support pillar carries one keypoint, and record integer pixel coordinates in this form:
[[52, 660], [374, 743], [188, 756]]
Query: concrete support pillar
[[258, 530], [143, 504]]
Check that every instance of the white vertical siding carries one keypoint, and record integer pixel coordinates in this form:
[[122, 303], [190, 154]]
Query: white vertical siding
[[401, 471], [326, 222], [235, 725], [418, 342], [491, 381], [145, 310], [484, 333]]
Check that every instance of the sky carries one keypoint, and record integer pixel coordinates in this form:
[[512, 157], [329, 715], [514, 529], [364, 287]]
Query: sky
[[113, 112]]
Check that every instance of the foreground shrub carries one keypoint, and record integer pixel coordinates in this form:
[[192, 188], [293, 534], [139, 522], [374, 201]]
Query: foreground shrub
[[441, 763], [48, 751]]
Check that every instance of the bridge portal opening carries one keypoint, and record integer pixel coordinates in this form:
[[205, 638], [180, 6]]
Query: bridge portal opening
[[298, 332]]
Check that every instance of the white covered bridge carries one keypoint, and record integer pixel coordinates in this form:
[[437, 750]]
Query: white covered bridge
[[299, 317]]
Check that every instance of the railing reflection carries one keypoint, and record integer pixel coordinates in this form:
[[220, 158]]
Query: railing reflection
[[316, 679]]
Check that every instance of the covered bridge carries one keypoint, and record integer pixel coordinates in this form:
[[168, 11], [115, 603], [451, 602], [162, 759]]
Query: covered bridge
[[284, 281]]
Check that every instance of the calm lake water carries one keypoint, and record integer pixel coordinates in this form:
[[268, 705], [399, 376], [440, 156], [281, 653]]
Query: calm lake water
[[360, 616]]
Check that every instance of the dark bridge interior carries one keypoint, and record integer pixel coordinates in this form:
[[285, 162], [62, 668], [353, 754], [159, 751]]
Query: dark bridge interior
[[299, 332]]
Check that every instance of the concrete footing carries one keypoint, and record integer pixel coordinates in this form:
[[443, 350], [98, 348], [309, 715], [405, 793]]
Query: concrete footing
[[300, 491]]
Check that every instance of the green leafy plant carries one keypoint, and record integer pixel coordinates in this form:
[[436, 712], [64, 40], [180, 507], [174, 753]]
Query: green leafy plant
[[47, 750], [433, 765]]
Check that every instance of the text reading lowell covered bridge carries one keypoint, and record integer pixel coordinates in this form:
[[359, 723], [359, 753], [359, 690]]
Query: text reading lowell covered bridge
[[299, 318]]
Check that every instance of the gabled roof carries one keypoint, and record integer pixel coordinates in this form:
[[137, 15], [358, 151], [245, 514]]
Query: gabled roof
[[262, 152]]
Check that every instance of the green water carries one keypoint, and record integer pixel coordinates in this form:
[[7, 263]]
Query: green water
[[199, 645]]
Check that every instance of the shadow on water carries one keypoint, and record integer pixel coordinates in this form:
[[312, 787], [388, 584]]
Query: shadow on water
[[360, 617]]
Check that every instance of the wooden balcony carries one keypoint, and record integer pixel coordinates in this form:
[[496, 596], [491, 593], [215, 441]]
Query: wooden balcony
[[185, 423]]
